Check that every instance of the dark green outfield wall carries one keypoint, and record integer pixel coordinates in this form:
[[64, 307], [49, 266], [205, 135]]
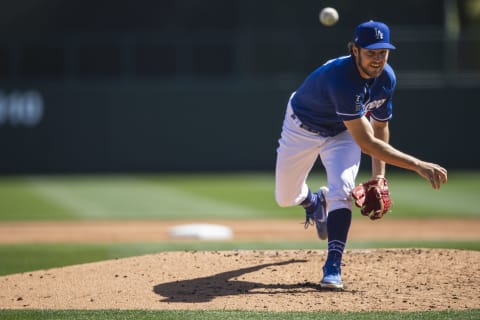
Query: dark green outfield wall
[[212, 126]]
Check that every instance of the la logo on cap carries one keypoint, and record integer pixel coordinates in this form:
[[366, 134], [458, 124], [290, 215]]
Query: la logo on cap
[[373, 35]]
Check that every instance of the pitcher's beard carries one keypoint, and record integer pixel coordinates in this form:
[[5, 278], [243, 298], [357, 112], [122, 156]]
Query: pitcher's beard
[[369, 73]]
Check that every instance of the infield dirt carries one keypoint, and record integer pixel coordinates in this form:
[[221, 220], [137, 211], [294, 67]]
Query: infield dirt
[[283, 280]]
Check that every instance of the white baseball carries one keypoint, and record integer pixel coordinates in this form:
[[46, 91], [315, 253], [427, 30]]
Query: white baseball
[[328, 16]]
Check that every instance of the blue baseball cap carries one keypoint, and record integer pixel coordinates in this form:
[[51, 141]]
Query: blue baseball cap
[[373, 35]]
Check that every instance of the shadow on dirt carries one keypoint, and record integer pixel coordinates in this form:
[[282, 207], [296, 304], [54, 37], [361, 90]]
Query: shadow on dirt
[[226, 284]]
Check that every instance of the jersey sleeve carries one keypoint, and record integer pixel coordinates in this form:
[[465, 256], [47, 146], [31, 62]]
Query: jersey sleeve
[[384, 113]]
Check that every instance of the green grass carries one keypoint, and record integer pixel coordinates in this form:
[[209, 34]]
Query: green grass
[[29, 257], [138, 197], [229, 315], [413, 197], [236, 195]]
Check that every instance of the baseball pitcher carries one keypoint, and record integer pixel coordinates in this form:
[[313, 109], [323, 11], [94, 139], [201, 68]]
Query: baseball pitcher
[[343, 108]]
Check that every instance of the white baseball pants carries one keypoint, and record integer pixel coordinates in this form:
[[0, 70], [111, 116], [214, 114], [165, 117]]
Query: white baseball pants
[[296, 155]]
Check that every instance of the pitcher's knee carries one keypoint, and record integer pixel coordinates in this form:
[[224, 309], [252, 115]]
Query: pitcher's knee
[[339, 204], [284, 201]]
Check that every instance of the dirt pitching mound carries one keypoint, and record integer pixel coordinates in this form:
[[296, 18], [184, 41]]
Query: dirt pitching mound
[[394, 279]]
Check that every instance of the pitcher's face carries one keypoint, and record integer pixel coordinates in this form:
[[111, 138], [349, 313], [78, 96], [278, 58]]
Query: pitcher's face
[[370, 62]]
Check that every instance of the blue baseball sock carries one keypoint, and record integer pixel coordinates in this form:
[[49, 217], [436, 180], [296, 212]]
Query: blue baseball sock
[[338, 224]]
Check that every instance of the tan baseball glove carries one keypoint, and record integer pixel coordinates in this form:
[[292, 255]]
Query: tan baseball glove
[[373, 198]]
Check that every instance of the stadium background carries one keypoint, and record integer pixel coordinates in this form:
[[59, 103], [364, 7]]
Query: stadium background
[[188, 85], [183, 86]]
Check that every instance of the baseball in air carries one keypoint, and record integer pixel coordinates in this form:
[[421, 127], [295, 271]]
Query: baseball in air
[[328, 16]]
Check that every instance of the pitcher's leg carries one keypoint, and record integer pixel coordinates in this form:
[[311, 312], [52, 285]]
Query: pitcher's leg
[[297, 152], [341, 159], [342, 162], [291, 172]]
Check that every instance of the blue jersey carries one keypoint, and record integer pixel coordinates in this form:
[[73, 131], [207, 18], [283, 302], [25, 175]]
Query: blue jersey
[[335, 92]]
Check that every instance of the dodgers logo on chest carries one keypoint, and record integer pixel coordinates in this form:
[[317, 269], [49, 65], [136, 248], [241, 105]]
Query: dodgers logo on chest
[[372, 105], [360, 103]]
